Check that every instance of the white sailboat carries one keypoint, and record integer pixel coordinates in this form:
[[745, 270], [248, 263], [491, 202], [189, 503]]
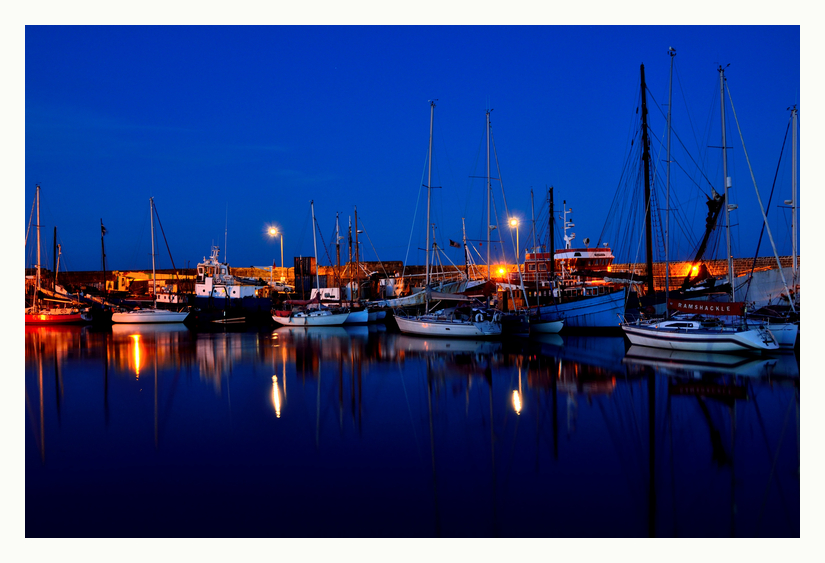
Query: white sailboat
[[312, 312], [689, 329], [462, 322], [37, 313], [153, 315]]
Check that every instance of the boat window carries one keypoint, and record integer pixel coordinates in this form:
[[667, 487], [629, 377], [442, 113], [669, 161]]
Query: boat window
[[542, 267], [531, 267]]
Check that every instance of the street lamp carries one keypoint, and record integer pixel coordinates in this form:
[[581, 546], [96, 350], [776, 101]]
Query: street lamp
[[514, 225], [273, 232]]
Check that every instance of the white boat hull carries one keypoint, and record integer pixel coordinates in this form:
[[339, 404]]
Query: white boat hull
[[149, 316], [453, 329], [717, 340], [785, 333], [301, 319]]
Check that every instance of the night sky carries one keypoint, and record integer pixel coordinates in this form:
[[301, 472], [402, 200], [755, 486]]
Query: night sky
[[235, 129]]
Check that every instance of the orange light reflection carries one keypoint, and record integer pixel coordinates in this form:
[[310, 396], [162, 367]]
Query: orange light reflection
[[276, 397], [136, 345]]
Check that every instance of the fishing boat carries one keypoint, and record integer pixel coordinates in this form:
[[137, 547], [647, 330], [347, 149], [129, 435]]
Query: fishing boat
[[459, 321], [153, 315], [38, 312], [567, 294]]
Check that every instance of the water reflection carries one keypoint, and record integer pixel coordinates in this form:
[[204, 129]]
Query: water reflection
[[431, 436]]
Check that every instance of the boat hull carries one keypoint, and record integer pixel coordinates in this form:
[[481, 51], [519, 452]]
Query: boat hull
[[599, 311], [546, 327], [142, 316], [723, 340], [453, 329], [311, 320], [358, 317], [45, 318]]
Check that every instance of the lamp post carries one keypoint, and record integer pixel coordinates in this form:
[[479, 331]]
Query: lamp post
[[514, 225], [274, 233]]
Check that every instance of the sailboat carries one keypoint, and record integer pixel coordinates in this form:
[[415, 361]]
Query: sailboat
[[467, 320], [38, 313], [153, 315], [310, 312], [689, 329]]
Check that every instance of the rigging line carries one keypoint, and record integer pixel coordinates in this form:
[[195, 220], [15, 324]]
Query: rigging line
[[323, 243], [770, 198], [759, 199], [676, 134], [373, 248], [507, 212], [415, 214], [166, 242]]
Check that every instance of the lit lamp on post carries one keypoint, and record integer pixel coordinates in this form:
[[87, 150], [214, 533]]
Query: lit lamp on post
[[514, 225], [273, 232]]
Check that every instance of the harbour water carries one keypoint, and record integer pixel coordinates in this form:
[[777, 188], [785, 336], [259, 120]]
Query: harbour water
[[161, 431]]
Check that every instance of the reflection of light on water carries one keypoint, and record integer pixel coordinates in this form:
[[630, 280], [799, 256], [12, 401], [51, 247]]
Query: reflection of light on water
[[276, 396], [516, 402], [136, 345]]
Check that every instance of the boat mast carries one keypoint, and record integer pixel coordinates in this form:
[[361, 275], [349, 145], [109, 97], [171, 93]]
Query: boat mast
[[338, 254], [315, 246], [489, 224], [429, 184], [37, 282], [357, 259], [54, 260], [466, 253], [349, 262], [152, 230], [552, 239], [727, 183], [648, 201], [672, 52], [103, 252], [794, 206], [535, 247]]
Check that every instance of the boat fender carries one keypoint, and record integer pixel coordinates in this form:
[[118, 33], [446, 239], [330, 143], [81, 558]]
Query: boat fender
[[479, 317], [497, 317]]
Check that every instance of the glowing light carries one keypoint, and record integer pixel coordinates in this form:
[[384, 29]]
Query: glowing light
[[516, 402], [276, 397], [136, 351], [694, 270], [273, 231], [501, 271], [514, 222]]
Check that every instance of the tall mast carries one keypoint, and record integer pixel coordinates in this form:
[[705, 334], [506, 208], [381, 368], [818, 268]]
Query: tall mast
[[672, 52], [103, 252], [648, 201], [794, 205], [489, 224], [357, 259], [338, 252], [552, 237], [37, 279], [429, 184], [349, 262], [54, 260], [152, 230], [466, 253], [315, 246], [727, 183], [535, 248]]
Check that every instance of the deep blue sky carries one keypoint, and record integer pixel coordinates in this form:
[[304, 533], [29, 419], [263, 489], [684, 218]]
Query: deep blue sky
[[232, 129]]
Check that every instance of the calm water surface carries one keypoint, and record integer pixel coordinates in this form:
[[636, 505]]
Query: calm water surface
[[160, 431]]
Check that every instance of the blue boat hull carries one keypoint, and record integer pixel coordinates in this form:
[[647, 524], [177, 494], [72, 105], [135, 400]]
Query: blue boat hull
[[599, 311]]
